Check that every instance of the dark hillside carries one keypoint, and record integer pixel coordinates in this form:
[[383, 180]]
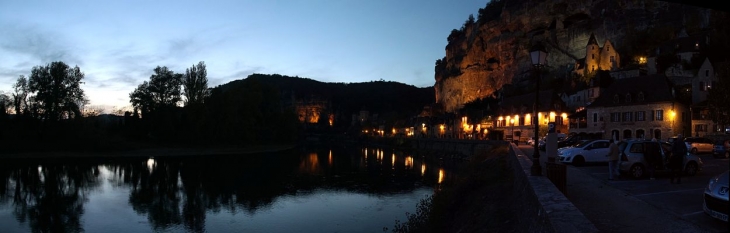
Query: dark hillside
[[383, 97]]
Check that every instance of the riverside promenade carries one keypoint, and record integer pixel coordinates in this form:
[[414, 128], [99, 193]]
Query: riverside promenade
[[608, 208]]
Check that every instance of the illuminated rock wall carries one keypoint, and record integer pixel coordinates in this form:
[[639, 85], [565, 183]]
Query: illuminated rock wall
[[486, 56]]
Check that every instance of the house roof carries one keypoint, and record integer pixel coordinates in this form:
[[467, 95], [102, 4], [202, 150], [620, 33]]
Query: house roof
[[654, 88], [592, 40], [546, 100], [682, 45]]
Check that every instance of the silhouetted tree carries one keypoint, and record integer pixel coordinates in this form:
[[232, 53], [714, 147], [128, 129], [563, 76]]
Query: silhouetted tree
[[195, 82], [58, 90], [20, 95], [5, 104], [162, 90]]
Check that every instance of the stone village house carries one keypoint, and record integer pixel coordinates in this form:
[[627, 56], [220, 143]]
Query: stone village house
[[645, 107]]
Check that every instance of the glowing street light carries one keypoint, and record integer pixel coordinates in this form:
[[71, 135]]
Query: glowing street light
[[538, 56]]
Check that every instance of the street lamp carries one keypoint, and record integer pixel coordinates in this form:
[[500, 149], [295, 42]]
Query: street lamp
[[512, 121], [537, 56]]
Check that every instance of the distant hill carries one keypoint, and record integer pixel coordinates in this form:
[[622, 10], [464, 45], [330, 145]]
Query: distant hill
[[382, 97]]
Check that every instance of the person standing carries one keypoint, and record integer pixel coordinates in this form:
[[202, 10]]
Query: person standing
[[652, 156], [612, 160], [676, 161]]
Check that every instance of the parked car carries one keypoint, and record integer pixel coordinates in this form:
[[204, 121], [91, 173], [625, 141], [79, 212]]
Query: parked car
[[699, 145], [561, 137], [631, 158], [715, 201], [721, 149], [587, 151]]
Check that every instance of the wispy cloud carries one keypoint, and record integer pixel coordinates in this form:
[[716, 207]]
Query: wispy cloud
[[43, 46]]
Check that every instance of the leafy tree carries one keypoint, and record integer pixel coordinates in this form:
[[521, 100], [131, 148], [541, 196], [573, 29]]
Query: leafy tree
[[58, 90], [195, 82], [20, 95], [162, 90], [718, 97], [5, 103]]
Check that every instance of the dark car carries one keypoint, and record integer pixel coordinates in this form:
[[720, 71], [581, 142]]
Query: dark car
[[564, 142], [721, 149]]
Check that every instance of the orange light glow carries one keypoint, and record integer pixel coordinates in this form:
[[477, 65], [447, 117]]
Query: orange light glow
[[310, 164], [409, 162], [423, 169], [441, 175], [330, 158]]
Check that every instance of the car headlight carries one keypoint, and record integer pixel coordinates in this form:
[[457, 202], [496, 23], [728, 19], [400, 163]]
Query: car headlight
[[711, 184]]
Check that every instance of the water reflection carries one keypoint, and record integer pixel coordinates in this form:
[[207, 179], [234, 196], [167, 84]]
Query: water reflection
[[49, 196]]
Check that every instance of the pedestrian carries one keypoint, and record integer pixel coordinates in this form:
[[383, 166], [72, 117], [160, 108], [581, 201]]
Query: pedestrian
[[676, 161], [612, 160], [652, 156]]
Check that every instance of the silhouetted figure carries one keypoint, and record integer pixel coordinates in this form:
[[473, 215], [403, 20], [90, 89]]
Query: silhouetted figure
[[612, 160], [676, 161]]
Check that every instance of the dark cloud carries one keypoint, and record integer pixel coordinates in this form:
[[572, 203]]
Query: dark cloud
[[41, 45], [241, 74]]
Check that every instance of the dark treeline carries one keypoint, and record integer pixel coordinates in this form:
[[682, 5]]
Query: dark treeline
[[45, 110], [393, 102]]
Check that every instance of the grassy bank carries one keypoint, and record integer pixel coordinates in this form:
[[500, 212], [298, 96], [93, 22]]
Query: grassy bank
[[479, 201]]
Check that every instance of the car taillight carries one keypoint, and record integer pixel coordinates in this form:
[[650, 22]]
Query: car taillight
[[623, 157]]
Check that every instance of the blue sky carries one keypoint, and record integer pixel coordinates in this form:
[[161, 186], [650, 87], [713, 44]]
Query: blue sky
[[118, 43]]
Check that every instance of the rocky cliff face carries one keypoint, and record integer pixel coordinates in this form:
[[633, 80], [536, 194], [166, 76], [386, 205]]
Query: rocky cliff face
[[491, 53]]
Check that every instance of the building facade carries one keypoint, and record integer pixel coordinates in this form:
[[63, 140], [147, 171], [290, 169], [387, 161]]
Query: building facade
[[644, 107]]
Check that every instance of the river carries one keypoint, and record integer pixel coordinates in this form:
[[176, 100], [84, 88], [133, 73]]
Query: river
[[330, 189]]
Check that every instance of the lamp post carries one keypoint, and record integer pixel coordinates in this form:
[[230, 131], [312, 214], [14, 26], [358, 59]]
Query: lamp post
[[537, 56], [512, 121]]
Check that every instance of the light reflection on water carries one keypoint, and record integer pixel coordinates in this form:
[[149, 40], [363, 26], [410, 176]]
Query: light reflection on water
[[292, 191]]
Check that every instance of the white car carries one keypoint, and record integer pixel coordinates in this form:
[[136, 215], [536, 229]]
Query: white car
[[716, 197], [589, 151]]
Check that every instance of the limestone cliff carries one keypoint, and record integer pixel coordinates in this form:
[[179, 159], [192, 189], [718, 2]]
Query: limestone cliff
[[492, 51]]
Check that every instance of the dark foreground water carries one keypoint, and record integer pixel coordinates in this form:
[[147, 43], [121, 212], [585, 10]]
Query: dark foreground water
[[302, 190]]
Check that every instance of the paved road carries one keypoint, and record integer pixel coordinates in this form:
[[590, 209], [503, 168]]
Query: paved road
[[628, 205]]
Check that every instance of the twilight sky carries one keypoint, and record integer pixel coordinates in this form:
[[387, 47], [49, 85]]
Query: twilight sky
[[118, 43]]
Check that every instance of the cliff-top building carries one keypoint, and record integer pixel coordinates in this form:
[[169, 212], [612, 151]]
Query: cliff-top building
[[597, 58]]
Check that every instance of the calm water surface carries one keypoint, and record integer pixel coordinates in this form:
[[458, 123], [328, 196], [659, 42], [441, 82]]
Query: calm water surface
[[303, 190]]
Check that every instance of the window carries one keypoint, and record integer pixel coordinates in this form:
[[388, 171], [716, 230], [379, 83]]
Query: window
[[628, 116], [615, 117], [659, 115], [593, 56], [615, 99], [703, 87], [594, 68], [640, 116], [700, 128], [578, 98], [612, 59], [608, 47], [628, 98], [651, 115], [707, 73], [595, 117], [640, 96]]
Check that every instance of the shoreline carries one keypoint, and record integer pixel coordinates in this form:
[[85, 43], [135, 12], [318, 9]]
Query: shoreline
[[152, 152]]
